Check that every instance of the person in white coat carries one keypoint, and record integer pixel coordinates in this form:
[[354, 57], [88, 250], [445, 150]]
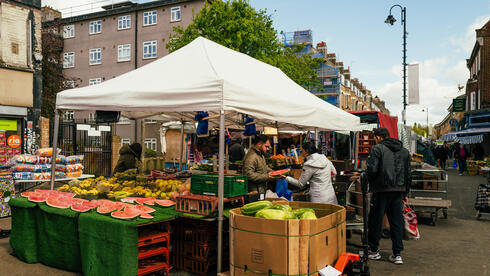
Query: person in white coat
[[317, 171]]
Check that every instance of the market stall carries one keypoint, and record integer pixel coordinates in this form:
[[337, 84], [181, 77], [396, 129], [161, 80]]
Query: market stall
[[224, 83]]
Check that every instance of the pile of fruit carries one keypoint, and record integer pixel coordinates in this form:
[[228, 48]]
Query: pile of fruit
[[265, 209], [119, 210], [117, 188]]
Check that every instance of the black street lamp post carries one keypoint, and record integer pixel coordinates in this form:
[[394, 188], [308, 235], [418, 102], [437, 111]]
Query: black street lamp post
[[391, 20]]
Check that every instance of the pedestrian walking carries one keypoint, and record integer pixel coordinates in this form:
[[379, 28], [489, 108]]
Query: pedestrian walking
[[461, 155], [388, 171]]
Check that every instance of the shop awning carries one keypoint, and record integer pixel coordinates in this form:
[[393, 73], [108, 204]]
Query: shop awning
[[205, 76], [467, 136]]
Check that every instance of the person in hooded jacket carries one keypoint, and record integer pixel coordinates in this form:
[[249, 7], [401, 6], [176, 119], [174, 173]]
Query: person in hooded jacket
[[388, 172], [317, 171], [129, 158]]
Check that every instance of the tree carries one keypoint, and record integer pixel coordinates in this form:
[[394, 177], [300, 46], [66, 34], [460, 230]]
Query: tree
[[54, 80], [238, 26]]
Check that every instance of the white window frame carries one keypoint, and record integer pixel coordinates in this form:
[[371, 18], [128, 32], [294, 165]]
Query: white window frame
[[92, 56], [95, 27], [151, 143], [69, 31], [124, 49], [125, 141], [71, 56], [174, 12], [91, 117], [69, 116], [94, 81], [472, 101], [150, 121], [124, 22], [150, 18], [147, 46]]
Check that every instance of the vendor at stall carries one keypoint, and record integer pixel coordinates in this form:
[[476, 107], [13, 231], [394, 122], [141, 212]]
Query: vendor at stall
[[129, 158], [255, 167], [317, 171]]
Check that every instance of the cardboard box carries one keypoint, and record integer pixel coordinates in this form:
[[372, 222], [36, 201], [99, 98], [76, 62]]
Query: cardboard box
[[288, 247]]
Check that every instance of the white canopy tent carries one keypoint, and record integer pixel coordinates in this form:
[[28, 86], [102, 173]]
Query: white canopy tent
[[205, 76]]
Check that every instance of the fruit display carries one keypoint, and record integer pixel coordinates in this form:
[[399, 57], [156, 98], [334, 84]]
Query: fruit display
[[268, 210], [118, 188]]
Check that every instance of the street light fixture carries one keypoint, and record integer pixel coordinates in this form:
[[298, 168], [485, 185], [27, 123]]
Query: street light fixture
[[391, 20], [427, 111]]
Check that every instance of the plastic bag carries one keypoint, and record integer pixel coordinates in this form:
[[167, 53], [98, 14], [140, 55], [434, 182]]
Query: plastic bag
[[282, 189], [32, 168], [46, 152], [22, 175], [73, 159], [69, 168], [41, 176], [60, 159], [74, 174], [410, 219], [24, 159], [44, 160]]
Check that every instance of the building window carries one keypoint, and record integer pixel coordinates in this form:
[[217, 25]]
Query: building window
[[149, 18], [91, 117], [95, 56], [69, 60], [124, 121], [149, 121], [472, 101], [69, 116], [69, 31], [125, 141], [124, 22], [124, 52], [149, 49], [175, 14], [151, 143], [69, 84], [95, 27], [94, 81]]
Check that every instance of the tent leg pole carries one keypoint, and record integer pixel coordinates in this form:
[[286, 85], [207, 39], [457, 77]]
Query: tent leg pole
[[181, 146], [356, 146], [55, 146], [316, 137], [221, 171]]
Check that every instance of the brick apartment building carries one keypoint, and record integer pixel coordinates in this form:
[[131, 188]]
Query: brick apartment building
[[124, 36]]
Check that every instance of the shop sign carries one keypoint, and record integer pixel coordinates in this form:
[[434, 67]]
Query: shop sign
[[270, 130], [8, 125], [14, 141], [459, 105]]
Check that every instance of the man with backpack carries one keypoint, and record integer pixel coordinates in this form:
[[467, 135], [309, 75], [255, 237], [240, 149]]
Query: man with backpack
[[388, 171]]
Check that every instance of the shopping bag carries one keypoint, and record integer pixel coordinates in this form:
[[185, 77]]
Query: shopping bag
[[282, 189], [410, 219], [482, 202], [455, 164]]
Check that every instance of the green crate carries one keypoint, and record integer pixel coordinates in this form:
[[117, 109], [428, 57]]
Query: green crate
[[207, 184]]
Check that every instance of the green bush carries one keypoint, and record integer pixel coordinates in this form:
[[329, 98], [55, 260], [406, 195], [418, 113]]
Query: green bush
[[150, 153]]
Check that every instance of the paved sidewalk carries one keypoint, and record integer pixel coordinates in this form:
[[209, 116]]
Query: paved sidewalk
[[459, 245]]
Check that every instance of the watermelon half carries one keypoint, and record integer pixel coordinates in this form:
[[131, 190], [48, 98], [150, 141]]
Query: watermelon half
[[165, 202], [80, 208], [146, 216], [278, 172], [148, 201], [105, 209], [26, 194], [127, 213], [144, 209], [57, 203], [37, 197]]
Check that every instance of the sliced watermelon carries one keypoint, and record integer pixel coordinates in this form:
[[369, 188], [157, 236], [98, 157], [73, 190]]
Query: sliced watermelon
[[148, 201], [36, 197], [67, 194], [165, 202], [57, 203], [146, 216], [120, 205], [80, 208], [145, 209], [127, 213], [129, 199], [279, 172], [106, 209], [26, 194]]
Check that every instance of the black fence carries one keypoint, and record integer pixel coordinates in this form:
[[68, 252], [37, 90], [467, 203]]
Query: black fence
[[92, 141]]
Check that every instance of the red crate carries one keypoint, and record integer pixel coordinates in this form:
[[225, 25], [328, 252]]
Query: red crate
[[150, 236], [197, 251], [196, 235], [154, 250], [196, 204], [153, 265]]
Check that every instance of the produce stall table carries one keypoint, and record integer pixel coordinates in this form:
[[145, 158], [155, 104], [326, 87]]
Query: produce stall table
[[22, 183], [90, 243]]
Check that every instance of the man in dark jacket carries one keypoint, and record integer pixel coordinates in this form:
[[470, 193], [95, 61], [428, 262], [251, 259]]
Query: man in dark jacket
[[237, 153], [388, 170], [255, 167]]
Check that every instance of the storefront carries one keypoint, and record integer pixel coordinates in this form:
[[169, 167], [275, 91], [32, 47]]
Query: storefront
[[12, 125]]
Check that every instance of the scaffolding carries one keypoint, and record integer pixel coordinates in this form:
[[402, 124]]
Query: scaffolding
[[297, 37]]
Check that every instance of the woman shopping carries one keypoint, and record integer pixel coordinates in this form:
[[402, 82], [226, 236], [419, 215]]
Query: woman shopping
[[317, 171]]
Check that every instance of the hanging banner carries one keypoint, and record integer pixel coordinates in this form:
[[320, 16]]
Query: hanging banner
[[413, 84], [459, 105], [10, 125]]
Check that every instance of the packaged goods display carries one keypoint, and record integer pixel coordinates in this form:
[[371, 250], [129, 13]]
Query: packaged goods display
[[46, 152], [74, 174], [74, 159], [22, 175], [69, 168], [37, 168], [25, 159]]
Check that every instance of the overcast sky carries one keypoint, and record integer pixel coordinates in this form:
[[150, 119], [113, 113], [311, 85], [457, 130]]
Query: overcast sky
[[441, 37]]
